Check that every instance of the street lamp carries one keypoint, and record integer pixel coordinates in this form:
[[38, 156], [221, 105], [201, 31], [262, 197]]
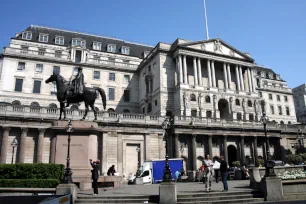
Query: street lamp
[[167, 171], [268, 163], [68, 173], [138, 165], [14, 145]]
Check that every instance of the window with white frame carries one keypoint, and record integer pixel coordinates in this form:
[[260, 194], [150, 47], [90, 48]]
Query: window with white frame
[[27, 36], [96, 45], [21, 66], [125, 50], [43, 38], [111, 48], [111, 94], [39, 68], [126, 79], [96, 75], [59, 40], [112, 77], [78, 42]]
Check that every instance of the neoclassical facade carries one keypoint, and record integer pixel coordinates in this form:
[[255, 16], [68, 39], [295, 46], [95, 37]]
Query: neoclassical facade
[[215, 93], [299, 94]]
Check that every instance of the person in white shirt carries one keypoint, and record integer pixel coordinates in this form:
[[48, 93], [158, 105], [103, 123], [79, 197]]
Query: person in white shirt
[[208, 172]]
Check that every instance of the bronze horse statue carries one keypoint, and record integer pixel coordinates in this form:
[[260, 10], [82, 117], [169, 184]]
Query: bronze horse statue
[[89, 96]]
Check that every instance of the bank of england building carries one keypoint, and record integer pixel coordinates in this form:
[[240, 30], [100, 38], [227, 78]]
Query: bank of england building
[[215, 93]]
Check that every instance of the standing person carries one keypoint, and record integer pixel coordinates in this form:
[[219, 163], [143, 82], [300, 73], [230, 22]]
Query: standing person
[[95, 175], [208, 172], [216, 168], [177, 175], [224, 173]]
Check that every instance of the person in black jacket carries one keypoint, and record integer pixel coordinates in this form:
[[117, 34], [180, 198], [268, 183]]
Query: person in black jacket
[[95, 175], [111, 171], [224, 173]]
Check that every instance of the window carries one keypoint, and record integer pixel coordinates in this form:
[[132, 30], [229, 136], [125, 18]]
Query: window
[[192, 97], [149, 68], [125, 50], [149, 108], [58, 53], [155, 102], [126, 95], [24, 49], [59, 40], [272, 109], [126, 111], [56, 70], [286, 98], [126, 79], [21, 66], [78, 42], [112, 77], [260, 94], [239, 116], [111, 94], [207, 99], [27, 36], [96, 45], [143, 110], [18, 85], [270, 97], [237, 102], [145, 54], [278, 98], [287, 111], [193, 113], [16, 103], [251, 117], [39, 68], [145, 173], [249, 103], [36, 87], [75, 71], [53, 89], [43, 38], [208, 114], [96, 74], [280, 110], [41, 51], [111, 48]]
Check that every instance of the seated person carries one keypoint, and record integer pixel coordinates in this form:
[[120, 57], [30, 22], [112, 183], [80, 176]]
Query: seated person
[[111, 171]]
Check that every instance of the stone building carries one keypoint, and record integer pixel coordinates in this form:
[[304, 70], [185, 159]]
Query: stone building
[[215, 92], [299, 95]]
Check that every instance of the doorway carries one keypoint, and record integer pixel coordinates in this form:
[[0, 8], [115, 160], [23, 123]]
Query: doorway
[[78, 56], [232, 154], [224, 109]]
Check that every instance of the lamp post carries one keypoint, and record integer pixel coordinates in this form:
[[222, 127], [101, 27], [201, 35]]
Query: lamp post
[[268, 163], [167, 171], [68, 173], [138, 156], [14, 145]]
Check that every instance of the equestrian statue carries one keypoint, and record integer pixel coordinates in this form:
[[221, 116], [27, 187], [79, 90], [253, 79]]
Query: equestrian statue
[[74, 91]]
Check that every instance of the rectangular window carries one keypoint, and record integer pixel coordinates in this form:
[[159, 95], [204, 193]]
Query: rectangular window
[[111, 94], [39, 68], [53, 89], [56, 70], [96, 45], [36, 87], [126, 79], [193, 113], [286, 98], [280, 110], [78, 42], [27, 36], [208, 114], [18, 85], [21, 66], [59, 40], [96, 74], [24, 49], [43, 38], [58, 54], [155, 102], [270, 97], [126, 95], [125, 50], [287, 111], [278, 98], [272, 109], [111, 48], [41, 51], [112, 77]]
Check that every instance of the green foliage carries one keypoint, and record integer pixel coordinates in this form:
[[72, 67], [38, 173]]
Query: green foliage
[[260, 162], [236, 163], [294, 159], [303, 155], [31, 171], [29, 183]]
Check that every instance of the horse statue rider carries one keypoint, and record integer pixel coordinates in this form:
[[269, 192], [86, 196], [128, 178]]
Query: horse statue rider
[[76, 86]]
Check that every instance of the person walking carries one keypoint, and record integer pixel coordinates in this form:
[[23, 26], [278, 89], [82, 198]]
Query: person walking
[[177, 175], [224, 173], [208, 172], [95, 175]]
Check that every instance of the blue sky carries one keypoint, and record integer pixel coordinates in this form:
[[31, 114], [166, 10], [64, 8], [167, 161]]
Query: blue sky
[[272, 31]]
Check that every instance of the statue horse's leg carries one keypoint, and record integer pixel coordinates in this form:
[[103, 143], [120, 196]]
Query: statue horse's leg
[[94, 110], [61, 111], [86, 111]]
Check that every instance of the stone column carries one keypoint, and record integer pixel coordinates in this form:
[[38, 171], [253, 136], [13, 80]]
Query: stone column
[[241, 78], [52, 150], [209, 74], [213, 73], [249, 80], [104, 152], [253, 80], [4, 146], [255, 149], [225, 76], [242, 150], [180, 69], [176, 145], [40, 146], [23, 140], [194, 152], [238, 79], [195, 70], [225, 148], [210, 145], [200, 72], [185, 70], [119, 154], [229, 76]]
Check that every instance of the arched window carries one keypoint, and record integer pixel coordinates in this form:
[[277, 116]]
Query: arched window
[[110, 110], [126, 111], [52, 109], [16, 103], [289, 122], [149, 108], [192, 97], [207, 99], [52, 106], [237, 102], [249, 103], [74, 108], [35, 105], [282, 122]]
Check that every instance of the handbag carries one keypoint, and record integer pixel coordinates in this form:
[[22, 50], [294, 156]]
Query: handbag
[[216, 165]]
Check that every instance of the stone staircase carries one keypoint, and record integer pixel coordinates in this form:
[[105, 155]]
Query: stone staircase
[[117, 199]]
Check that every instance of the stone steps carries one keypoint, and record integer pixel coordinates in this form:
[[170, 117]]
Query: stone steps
[[117, 199]]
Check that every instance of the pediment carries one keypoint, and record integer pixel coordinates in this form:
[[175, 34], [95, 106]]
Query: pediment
[[217, 46]]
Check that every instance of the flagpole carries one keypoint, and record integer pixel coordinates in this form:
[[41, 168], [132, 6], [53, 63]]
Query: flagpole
[[207, 36]]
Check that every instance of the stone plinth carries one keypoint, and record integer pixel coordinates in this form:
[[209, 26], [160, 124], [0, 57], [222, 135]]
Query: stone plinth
[[65, 189], [167, 193], [139, 181], [112, 179], [272, 188]]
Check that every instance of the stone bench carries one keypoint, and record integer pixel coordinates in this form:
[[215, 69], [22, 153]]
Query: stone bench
[[115, 180]]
